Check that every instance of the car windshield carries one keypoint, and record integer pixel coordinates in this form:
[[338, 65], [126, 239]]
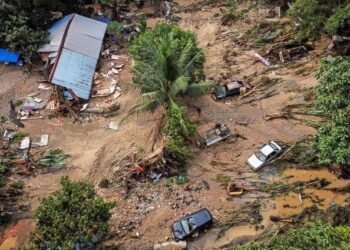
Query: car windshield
[[186, 226], [273, 146], [260, 156]]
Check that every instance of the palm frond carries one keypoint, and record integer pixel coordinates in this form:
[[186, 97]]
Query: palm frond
[[145, 106], [179, 85], [198, 89]]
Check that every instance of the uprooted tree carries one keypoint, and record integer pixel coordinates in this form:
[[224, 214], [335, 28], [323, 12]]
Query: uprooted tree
[[333, 97], [73, 216], [168, 66]]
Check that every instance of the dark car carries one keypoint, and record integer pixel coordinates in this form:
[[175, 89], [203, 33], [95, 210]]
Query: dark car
[[190, 224], [230, 89]]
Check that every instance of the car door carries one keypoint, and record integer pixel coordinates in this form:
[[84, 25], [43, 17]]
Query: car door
[[271, 156]]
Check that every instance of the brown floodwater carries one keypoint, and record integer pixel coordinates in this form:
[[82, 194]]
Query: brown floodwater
[[285, 205]]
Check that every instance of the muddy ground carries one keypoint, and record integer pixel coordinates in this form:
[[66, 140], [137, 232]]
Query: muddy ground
[[145, 217]]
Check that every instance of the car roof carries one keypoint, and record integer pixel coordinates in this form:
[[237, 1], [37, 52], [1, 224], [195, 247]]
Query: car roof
[[267, 149]]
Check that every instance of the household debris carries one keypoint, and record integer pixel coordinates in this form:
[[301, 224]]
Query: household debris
[[263, 60], [113, 126], [340, 44], [27, 142], [170, 244], [218, 133], [290, 55]]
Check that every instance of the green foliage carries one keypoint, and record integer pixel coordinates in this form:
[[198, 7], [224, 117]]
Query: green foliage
[[23, 22], [53, 157], [178, 129], [114, 27], [313, 236], [310, 16], [338, 21], [75, 214], [168, 65], [333, 92]]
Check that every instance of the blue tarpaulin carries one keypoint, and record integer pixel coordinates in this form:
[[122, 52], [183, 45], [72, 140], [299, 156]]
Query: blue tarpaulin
[[7, 56]]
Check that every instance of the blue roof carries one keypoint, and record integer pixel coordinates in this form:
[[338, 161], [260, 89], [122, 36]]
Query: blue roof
[[7, 56], [78, 56], [75, 71], [60, 23]]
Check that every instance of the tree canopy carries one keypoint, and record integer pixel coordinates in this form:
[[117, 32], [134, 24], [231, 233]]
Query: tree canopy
[[168, 65], [73, 215], [24, 22], [333, 97]]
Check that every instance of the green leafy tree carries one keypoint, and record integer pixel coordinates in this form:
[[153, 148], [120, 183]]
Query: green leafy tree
[[339, 21], [310, 16], [333, 97], [169, 66], [75, 214]]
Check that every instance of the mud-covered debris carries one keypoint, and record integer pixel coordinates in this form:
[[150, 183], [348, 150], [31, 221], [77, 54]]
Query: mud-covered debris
[[170, 245], [293, 54], [113, 126], [248, 213]]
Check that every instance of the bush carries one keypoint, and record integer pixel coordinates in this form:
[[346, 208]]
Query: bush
[[310, 17], [73, 215], [339, 21], [178, 130], [313, 236], [332, 97]]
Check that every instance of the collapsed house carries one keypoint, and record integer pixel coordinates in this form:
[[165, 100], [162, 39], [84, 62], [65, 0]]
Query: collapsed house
[[73, 51]]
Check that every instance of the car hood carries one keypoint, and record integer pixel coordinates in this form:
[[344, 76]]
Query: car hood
[[254, 162], [178, 231]]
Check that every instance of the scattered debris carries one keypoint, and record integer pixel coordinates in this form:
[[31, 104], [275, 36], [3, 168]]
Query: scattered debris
[[293, 54], [113, 126], [170, 245]]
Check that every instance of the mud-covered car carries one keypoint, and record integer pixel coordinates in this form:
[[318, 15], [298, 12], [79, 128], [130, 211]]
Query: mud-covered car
[[264, 155], [192, 223], [230, 89], [218, 133]]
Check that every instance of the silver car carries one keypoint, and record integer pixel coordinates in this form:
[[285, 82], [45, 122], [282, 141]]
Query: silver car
[[267, 153]]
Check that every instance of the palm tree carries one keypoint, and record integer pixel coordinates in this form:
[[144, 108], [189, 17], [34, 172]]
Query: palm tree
[[168, 65]]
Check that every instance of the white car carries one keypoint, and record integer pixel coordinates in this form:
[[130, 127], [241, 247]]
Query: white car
[[267, 153]]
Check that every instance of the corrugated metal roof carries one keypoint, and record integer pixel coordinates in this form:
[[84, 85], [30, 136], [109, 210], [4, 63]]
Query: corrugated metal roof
[[77, 57], [75, 71]]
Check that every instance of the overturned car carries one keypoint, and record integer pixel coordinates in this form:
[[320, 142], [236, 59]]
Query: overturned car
[[218, 133]]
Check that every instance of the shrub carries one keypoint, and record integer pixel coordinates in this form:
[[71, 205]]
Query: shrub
[[178, 130], [339, 21], [310, 16], [73, 215]]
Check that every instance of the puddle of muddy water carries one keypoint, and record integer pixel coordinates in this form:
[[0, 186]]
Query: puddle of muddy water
[[284, 206]]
